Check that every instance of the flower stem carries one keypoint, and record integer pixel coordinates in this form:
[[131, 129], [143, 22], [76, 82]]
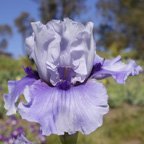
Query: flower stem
[[69, 139]]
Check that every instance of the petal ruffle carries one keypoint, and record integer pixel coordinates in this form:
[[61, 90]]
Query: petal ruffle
[[62, 44], [80, 108], [117, 69], [42, 47], [15, 89], [82, 52]]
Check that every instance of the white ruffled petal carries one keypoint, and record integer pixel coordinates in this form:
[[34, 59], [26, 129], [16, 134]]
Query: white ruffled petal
[[62, 44]]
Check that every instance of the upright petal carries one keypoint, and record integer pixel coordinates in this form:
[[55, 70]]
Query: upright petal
[[82, 52], [77, 48], [79, 108], [62, 43], [43, 47], [117, 69], [30, 44]]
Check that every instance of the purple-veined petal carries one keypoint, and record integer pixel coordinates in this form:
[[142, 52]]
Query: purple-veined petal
[[79, 108], [15, 89], [116, 68]]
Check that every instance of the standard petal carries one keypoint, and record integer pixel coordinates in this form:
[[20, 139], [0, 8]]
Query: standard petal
[[30, 44], [62, 44], [117, 69], [82, 52], [71, 29], [43, 47], [15, 89], [80, 108]]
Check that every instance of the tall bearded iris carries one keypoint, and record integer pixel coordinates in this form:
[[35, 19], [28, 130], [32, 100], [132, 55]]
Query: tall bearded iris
[[64, 94]]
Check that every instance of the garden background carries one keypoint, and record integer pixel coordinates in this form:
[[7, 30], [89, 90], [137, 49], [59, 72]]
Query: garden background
[[119, 29]]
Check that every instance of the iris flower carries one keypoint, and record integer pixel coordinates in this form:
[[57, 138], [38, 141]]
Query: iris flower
[[63, 94]]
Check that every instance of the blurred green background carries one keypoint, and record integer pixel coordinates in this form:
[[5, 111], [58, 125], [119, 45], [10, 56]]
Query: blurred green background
[[119, 29]]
